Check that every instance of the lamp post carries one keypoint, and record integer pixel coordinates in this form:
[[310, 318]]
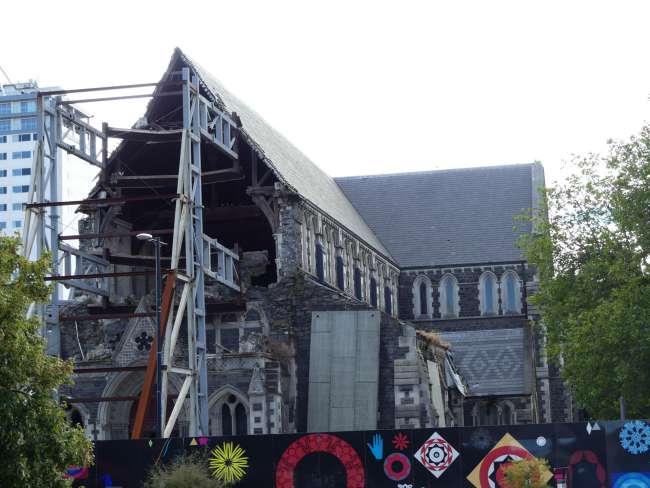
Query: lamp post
[[159, 357]]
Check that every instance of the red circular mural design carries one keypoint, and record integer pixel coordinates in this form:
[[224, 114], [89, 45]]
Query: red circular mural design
[[496, 453], [312, 443], [404, 466]]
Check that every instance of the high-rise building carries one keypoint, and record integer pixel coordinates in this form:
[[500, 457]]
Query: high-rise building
[[18, 136]]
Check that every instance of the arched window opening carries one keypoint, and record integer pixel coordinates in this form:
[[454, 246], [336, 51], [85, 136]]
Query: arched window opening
[[388, 300], [226, 420], [340, 273], [373, 292], [357, 284], [422, 298], [229, 416], [488, 294], [511, 293], [424, 308], [241, 420], [449, 297], [320, 264], [506, 414]]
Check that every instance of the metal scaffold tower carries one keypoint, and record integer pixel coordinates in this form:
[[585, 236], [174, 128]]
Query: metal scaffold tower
[[63, 127]]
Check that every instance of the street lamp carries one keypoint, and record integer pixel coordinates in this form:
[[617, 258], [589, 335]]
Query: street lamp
[[159, 408]]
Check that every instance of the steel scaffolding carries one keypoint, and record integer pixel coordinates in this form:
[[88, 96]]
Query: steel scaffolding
[[62, 127]]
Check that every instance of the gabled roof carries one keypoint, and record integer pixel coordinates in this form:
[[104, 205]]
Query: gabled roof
[[458, 216], [290, 165]]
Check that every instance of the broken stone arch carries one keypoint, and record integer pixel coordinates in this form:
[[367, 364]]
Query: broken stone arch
[[113, 417]]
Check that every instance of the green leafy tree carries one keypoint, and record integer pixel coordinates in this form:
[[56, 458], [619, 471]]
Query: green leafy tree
[[526, 473], [184, 471], [36, 441], [592, 255]]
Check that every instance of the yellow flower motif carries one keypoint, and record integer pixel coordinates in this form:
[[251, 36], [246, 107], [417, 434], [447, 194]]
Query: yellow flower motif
[[228, 463]]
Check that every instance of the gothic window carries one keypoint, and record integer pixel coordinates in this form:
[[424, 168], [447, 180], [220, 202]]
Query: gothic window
[[239, 333], [230, 339], [320, 262], [506, 415], [424, 309], [449, 297], [357, 284], [229, 415], [510, 292], [422, 297], [373, 292], [340, 273], [488, 294], [388, 300]]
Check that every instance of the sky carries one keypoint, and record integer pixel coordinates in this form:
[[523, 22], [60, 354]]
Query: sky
[[366, 87]]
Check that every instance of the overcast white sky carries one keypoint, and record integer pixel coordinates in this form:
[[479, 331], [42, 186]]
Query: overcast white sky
[[369, 87]]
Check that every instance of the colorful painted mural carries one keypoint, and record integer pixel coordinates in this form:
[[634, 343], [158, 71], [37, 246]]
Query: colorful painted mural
[[595, 454]]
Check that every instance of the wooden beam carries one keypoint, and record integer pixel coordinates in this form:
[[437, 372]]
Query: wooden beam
[[150, 374], [267, 210]]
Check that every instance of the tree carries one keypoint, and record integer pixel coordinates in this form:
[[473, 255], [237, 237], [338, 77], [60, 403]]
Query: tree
[[36, 441], [188, 470], [591, 254]]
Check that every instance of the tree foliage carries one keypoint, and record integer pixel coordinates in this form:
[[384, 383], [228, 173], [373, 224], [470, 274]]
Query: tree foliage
[[184, 471], [36, 441], [525, 473], [592, 255]]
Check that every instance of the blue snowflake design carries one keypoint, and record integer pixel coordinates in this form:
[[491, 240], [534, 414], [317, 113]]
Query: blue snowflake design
[[635, 437]]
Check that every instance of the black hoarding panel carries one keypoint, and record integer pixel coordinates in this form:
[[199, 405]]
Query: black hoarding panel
[[595, 455]]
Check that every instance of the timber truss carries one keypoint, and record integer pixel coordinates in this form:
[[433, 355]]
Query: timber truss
[[194, 255]]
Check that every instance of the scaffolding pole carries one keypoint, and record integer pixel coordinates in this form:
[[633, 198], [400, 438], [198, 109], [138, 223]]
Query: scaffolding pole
[[58, 124]]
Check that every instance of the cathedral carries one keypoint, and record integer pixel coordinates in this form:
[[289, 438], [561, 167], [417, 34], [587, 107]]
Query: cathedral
[[356, 303]]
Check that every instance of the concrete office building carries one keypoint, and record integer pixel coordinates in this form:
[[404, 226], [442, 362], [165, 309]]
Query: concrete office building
[[18, 136]]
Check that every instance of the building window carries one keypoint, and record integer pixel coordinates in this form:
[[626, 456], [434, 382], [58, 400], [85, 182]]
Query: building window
[[28, 124], [449, 307], [3, 225], [20, 189], [241, 334], [17, 206], [5, 125], [27, 107], [320, 262], [21, 155], [357, 284], [229, 339], [5, 108], [422, 297], [18, 224], [373, 292], [3, 140], [3, 156], [388, 300], [3, 207], [22, 137], [506, 414], [21, 171], [3, 173], [229, 416], [511, 292], [488, 294], [3, 190], [340, 273]]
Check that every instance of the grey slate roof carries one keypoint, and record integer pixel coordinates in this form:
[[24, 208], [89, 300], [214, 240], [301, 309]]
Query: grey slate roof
[[491, 361], [291, 166], [458, 216]]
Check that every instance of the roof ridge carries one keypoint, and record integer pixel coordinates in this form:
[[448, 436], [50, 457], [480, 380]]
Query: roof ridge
[[432, 171]]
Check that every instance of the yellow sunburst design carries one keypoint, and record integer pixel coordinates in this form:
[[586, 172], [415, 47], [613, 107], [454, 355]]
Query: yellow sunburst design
[[228, 463]]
